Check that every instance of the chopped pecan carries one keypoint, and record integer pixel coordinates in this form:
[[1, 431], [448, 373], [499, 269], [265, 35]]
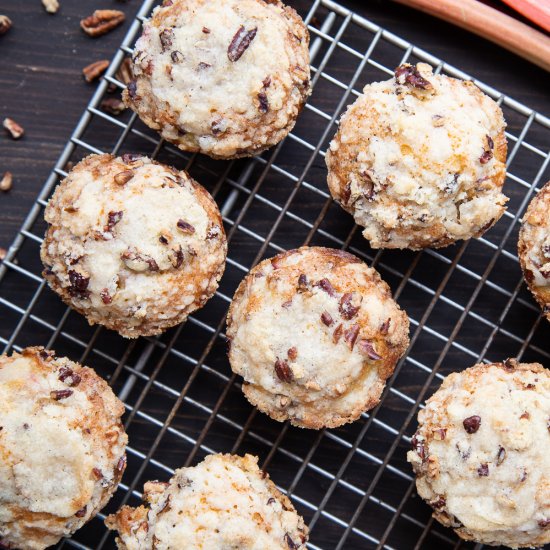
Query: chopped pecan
[[283, 371], [202, 65], [349, 305], [5, 24], [101, 22], [366, 347], [94, 70], [78, 286], [58, 395], [132, 89], [337, 334], [106, 298], [471, 424], [292, 353], [177, 57], [177, 257], [287, 304], [166, 37], [326, 319], [130, 158], [112, 105], [121, 464], [290, 543], [15, 130], [501, 455], [385, 326], [483, 470], [185, 227], [408, 74], [240, 43], [544, 523], [350, 335], [440, 434], [6, 182], [325, 285], [81, 513], [206, 30], [69, 377], [302, 283], [123, 177], [263, 102], [418, 446], [112, 219], [138, 262], [98, 474], [438, 503]]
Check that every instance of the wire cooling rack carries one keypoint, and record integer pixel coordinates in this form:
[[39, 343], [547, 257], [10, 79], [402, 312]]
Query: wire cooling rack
[[467, 303]]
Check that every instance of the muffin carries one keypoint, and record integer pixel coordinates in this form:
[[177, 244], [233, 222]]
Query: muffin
[[226, 501], [534, 248], [132, 244], [226, 78], [62, 447], [419, 160], [315, 333], [481, 454]]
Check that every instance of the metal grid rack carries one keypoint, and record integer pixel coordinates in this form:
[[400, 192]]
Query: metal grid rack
[[467, 303]]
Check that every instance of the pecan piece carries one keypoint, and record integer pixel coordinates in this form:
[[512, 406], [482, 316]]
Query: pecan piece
[[81, 513], [5, 24], [106, 298], [302, 282], [58, 395], [177, 257], [337, 334], [132, 89], [78, 286], [185, 227], [292, 353], [501, 455], [69, 377], [418, 446], [138, 262], [113, 218], [263, 102], [407, 74], [325, 285], [101, 22], [94, 70], [166, 37], [471, 424], [349, 305], [240, 43], [15, 130], [483, 470], [206, 30], [112, 105], [6, 182], [51, 6], [350, 336], [121, 464], [385, 326], [283, 371], [123, 177], [326, 319], [366, 347], [544, 523], [177, 57], [290, 543]]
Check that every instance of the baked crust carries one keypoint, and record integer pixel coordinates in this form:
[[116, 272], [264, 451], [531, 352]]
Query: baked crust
[[226, 78], [481, 454], [315, 333], [132, 244], [534, 248], [419, 160], [62, 447], [226, 501]]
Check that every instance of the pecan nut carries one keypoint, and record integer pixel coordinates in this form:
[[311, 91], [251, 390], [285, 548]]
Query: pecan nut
[[94, 70], [16, 130], [51, 6], [101, 22], [6, 182], [5, 24]]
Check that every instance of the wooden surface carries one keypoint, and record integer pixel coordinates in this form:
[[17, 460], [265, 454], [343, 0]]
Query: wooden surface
[[42, 56]]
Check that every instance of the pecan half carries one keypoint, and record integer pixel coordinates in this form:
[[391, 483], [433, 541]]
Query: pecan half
[[5, 24], [15, 130], [94, 70], [283, 371], [101, 22], [240, 43], [407, 74]]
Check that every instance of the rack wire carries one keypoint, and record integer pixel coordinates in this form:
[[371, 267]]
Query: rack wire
[[467, 303]]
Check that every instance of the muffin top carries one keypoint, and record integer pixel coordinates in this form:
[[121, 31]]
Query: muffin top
[[419, 160], [226, 501], [133, 244], [481, 453], [224, 77], [62, 447], [314, 332], [534, 248]]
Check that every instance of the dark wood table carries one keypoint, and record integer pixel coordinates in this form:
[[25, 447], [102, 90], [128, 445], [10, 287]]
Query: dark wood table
[[42, 88]]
